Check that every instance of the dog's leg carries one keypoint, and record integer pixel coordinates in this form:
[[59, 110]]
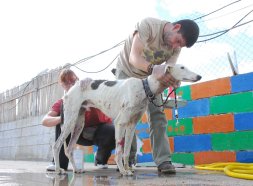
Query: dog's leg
[[73, 180], [56, 151], [74, 137], [119, 137], [130, 129]]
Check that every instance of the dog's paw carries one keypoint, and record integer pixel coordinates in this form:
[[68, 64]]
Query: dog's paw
[[126, 173], [79, 171], [130, 173], [123, 173], [60, 171], [132, 170]]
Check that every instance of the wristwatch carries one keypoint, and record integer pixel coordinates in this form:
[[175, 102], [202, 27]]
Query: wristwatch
[[150, 69]]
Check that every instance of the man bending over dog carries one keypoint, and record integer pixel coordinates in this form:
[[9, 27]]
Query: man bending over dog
[[99, 129], [154, 42]]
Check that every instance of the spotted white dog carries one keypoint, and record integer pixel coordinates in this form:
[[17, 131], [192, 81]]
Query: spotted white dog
[[125, 101]]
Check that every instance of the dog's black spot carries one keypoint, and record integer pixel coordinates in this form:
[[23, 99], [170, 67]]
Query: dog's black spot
[[110, 83], [96, 84], [182, 67], [113, 71], [85, 103]]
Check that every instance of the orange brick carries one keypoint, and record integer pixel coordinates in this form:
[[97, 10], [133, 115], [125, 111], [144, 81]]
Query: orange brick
[[86, 149], [90, 149], [211, 88], [168, 114], [213, 123], [111, 160], [171, 142], [213, 157], [144, 118], [146, 146]]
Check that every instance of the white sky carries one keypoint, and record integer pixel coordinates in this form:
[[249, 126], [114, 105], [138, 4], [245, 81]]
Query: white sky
[[37, 35]]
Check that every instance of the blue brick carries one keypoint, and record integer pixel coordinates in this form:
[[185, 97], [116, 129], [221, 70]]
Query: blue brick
[[193, 109], [244, 156], [143, 135], [144, 158], [243, 121], [242, 82], [95, 148], [142, 130], [141, 126], [193, 143]]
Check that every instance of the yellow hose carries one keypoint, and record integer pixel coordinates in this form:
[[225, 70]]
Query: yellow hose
[[236, 170]]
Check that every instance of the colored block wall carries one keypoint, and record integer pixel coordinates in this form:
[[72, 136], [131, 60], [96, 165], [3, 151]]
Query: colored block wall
[[216, 125]]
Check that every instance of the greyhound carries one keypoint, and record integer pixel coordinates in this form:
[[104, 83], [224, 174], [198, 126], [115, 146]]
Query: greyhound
[[125, 101]]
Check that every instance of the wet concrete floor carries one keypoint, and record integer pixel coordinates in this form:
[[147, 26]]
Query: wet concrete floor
[[31, 173]]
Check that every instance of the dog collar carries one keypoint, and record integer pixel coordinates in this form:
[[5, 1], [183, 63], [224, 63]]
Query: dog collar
[[148, 92]]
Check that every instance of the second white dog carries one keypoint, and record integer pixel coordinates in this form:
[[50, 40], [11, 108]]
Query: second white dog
[[125, 101]]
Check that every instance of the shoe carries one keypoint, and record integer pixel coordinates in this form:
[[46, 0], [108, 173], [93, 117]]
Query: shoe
[[51, 167], [102, 166], [98, 165], [166, 167]]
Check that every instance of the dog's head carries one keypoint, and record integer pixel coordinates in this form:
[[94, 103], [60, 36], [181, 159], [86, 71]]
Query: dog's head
[[178, 71], [181, 73]]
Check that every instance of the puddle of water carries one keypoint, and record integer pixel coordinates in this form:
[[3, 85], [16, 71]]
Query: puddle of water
[[10, 177], [142, 177]]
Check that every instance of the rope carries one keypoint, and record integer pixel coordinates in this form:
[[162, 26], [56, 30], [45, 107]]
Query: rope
[[163, 102]]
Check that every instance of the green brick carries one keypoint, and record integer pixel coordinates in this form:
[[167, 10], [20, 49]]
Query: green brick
[[184, 127], [233, 103], [185, 92], [232, 141], [89, 158], [184, 158]]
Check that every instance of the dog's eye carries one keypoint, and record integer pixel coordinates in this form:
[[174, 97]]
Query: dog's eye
[[182, 67]]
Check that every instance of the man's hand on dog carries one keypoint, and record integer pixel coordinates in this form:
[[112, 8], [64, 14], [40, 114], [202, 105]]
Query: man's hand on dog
[[168, 80], [164, 77]]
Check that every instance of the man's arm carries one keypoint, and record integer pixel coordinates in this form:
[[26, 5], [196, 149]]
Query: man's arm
[[139, 62], [173, 59], [135, 57], [51, 119]]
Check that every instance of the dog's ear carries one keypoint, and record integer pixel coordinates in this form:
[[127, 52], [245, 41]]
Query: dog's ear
[[159, 69], [168, 68]]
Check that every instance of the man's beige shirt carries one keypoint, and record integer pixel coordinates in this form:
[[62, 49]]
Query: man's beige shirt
[[155, 51]]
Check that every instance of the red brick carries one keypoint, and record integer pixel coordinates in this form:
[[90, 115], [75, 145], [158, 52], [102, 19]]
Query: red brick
[[168, 114], [213, 157], [111, 160], [213, 124], [146, 148], [211, 88], [144, 118], [86, 149], [171, 142]]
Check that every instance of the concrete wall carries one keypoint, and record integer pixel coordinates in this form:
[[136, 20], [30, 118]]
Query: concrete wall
[[26, 139]]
